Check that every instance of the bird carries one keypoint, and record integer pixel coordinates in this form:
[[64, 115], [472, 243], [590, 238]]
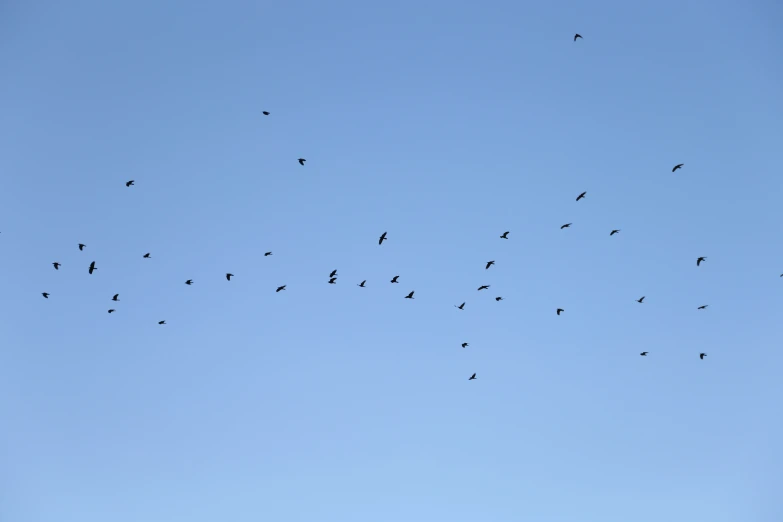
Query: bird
[[566, 226], [504, 235], [111, 310], [577, 35], [280, 288], [640, 299], [129, 183], [362, 283], [147, 255], [560, 310], [45, 294], [613, 232], [161, 322], [116, 297], [698, 261], [472, 377], [465, 345], [461, 307], [267, 254], [678, 166], [189, 282], [489, 264], [581, 196], [334, 273], [265, 113], [93, 267], [301, 161], [333, 281], [409, 296], [498, 299], [81, 246], [380, 240], [56, 265], [702, 356], [483, 287], [643, 354], [394, 279], [228, 277], [702, 307]]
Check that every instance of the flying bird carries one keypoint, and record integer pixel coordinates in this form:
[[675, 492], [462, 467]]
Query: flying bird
[[643, 354], [228, 277], [45, 294], [332, 281], [702, 355], [581, 196], [189, 282], [383, 236], [679, 166], [489, 264], [92, 267], [56, 265], [394, 279], [577, 35], [267, 254], [116, 297], [129, 183], [280, 288], [334, 273], [560, 310], [613, 232], [483, 287], [698, 261], [362, 283], [81, 246], [465, 345], [301, 161], [161, 322], [566, 226], [265, 113], [640, 299], [147, 255], [461, 307], [111, 310], [504, 235], [472, 377], [498, 299], [409, 296], [702, 307]]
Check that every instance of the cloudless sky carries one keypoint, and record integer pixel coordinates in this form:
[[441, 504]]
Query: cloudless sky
[[445, 124]]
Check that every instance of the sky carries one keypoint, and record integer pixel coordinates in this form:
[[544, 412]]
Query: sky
[[444, 124]]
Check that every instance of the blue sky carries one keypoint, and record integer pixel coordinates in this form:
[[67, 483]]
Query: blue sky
[[445, 124]]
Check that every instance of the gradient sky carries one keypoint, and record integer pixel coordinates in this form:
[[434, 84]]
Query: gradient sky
[[445, 124]]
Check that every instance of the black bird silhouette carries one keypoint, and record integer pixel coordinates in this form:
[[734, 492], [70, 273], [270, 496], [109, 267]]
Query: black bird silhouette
[[56, 265], [643, 354], [116, 297], [332, 281], [267, 254], [228, 277], [698, 261], [45, 294], [147, 255], [111, 310], [560, 310], [334, 273], [613, 232], [189, 282], [702, 355], [465, 345], [409, 296], [380, 240], [577, 35], [129, 183], [640, 299], [489, 264], [679, 166], [472, 377], [483, 287], [504, 235], [161, 322], [362, 283], [461, 307], [394, 279], [266, 113], [498, 299], [280, 288], [301, 161], [702, 307], [566, 226], [93, 267], [581, 196], [81, 246]]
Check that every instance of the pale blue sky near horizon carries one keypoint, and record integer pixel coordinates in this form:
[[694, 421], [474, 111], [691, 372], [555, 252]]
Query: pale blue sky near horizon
[[445, 124]]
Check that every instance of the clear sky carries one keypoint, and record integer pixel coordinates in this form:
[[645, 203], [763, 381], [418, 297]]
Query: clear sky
[[445, 124]]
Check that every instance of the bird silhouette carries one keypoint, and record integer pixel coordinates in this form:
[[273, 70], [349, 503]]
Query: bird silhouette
[[640, 299], [280, 288], [489, 264], [45, 294], [229, 276], [382, 238], [81, 246], [577, 35], [56, 265], [189, 282], [702, 307], [566, 226], [301, 161], [560, 310], [698, 261], [146, 256], [111, 310], [465, 345], [483, 287], [394, 279], [461, 307], [409, 296], [334, 273], [679, 166], [333, 281], [581, 196], [702, 355], [643, 354], [613, 232], [472, 377], [116, 297], [498, 299], [265, 113], [129, 183], [93, 267], [161, 322], [267, 254], [362, 283]]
